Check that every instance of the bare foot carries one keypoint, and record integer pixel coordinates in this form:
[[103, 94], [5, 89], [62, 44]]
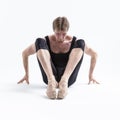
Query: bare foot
[[63, 88], [51, 89]]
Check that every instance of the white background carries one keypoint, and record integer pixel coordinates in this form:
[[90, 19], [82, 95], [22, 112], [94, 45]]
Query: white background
[[95, 21]]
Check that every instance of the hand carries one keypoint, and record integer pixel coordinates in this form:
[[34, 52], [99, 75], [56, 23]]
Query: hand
[[25, 78], [91, 79]]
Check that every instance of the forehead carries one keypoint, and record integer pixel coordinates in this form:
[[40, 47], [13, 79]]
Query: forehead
[[61, 31]]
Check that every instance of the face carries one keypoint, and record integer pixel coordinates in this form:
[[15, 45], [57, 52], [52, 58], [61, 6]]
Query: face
[[60, 35]]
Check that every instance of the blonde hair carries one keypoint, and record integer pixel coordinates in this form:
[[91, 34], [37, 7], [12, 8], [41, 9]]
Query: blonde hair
[[61, 23]]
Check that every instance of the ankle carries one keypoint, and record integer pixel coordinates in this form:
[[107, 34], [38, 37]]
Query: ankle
[[64, 79], [51, 78]]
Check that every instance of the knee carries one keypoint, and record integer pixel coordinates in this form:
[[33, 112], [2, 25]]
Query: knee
[[40, 43], [80, 43]]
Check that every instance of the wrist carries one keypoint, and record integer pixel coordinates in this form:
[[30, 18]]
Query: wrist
[[26, 74], [90, 76]]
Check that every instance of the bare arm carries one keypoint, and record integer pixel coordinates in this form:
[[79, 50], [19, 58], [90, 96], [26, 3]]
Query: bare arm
[[89, 51], [25, 54]]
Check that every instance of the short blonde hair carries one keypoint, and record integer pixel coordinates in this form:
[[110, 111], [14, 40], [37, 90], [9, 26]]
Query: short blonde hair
[[61, 23]]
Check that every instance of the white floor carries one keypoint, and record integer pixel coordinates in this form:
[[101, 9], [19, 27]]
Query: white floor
[[83, 101]]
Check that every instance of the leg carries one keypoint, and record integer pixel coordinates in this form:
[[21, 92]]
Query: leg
[[44, 76], [73, 76], [44, 58], [45, 61], [71, 70], [75, 57]]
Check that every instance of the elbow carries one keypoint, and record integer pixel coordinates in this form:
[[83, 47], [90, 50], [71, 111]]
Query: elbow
[[24, 54], [95, 55]]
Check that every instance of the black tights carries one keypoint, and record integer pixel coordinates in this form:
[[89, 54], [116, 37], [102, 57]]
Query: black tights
[[59, 70]]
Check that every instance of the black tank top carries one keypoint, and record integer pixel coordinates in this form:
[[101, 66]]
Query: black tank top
[[60, 59]]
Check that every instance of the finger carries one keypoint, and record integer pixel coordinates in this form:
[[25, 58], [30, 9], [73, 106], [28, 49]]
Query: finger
[[20, 81], [27, 81], [97, 82], [89, 82], [94, 81]]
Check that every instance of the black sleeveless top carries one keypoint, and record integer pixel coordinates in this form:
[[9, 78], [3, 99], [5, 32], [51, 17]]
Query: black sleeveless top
[[60, 59]]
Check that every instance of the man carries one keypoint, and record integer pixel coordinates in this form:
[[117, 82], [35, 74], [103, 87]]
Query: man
[[59, 56]]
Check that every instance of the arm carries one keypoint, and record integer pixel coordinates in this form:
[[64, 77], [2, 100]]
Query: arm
[[89, 51], [25, 54]]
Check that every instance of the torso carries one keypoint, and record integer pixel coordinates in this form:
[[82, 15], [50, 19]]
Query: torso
[[60, 47]]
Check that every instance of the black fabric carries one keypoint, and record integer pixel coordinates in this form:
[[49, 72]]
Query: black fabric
[[59, 61], [79, 44], [40, 43]]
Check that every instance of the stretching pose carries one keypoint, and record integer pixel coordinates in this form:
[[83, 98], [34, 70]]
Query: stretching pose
[[59, 56]]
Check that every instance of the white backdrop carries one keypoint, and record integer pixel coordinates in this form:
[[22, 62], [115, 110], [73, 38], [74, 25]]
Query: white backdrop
[[95, 21]]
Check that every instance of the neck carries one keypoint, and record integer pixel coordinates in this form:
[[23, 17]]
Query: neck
[[58, 40]]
